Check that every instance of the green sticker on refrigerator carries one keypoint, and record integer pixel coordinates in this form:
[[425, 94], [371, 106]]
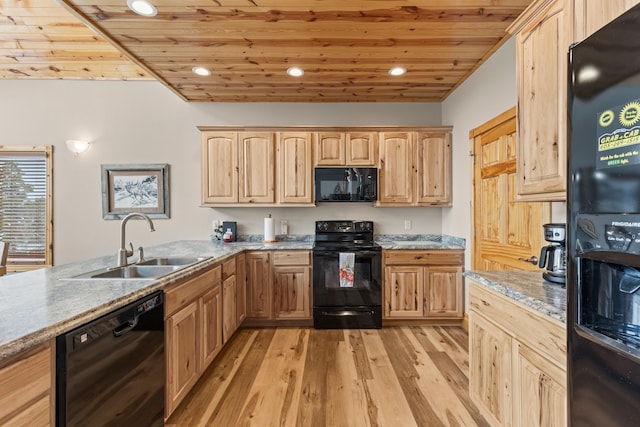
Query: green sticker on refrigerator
[[619, 136]]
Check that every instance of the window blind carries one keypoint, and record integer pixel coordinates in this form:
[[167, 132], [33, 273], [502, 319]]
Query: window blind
[[23, 205]]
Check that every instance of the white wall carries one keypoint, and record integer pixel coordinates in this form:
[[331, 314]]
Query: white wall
[[489, 91], [144, 122]]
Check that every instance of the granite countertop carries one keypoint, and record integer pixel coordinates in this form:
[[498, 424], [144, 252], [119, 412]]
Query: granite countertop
[[526, 287], [36, 306]]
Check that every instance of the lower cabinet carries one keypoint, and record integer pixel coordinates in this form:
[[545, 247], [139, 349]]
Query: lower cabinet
[[193, 332], [229, 295], [241, 289], [517, 362], [26, 381], [423, 284], [279, 285]]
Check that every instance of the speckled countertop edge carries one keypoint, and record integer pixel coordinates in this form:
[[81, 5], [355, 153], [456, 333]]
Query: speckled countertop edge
[[39, 305], [527, 288]]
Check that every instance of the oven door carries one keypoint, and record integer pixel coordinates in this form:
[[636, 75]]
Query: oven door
[[343, 278]]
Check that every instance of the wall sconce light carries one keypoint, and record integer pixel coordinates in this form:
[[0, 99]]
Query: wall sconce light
[[77, 146]]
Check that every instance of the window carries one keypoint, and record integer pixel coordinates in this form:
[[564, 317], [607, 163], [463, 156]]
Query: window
[[26, 206]]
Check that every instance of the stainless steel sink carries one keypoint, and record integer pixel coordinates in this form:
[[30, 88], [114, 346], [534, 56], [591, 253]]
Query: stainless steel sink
[[179, 261], [130, 272]]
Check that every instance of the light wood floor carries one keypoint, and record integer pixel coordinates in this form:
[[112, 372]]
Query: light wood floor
[[396, 377]]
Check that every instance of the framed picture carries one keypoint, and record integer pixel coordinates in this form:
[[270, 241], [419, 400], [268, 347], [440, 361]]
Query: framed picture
[[135, 188]]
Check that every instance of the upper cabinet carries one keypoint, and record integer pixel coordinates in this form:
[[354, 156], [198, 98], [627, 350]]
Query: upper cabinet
[[257, 167], [219, 167], [542, 41], [415, 168], [295, 171], [590, 16], [346, 148]]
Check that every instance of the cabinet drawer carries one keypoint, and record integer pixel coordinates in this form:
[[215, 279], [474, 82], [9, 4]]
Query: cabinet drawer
[[291, 258], [418, 257], [181, 294], [228, 268], [546, 335]]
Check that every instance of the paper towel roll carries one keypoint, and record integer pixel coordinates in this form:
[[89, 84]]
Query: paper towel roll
[[269, 230]]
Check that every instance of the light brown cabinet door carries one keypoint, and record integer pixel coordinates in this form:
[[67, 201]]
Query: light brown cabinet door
[[259, 285], [396, 172], [229, 317], [182, 353], [433, 168], [590, 15], [291, 287], [211, 325], [241, 289], [404, 292], [219, 167], [295, 181], [330, 148], [541, 56], [361, 148], [490, 364], [540, 397], [256, 167], [444, 291]]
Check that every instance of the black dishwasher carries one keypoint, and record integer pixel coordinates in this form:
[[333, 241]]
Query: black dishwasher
[[111, 372]]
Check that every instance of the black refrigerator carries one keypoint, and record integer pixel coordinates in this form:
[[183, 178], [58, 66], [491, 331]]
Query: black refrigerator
[[603, 226]]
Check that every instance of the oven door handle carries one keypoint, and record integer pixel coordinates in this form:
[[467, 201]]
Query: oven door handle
[[347, 313], [356, 251]]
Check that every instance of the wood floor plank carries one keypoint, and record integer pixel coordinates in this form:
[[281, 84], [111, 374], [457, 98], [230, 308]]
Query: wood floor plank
[[394, 377]]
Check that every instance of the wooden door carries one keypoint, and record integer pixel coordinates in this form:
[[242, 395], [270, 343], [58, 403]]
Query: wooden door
[[241, 289], [183, 353], [330, 149], [443, 291], [219, 167], [259, 285], [541, 57], [256, 167], [229, 316], [540, 399], [504, 230], [433, 168], [404, 292], [295, 180], [291, 288], [590, 15], [211, 325], [490, 376], [395, 180], [361, 148]]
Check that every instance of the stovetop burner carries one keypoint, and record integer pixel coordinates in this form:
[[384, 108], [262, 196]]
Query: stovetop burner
[[345, 235]]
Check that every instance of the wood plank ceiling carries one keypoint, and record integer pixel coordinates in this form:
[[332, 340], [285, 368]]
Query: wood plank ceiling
[[345, 47]]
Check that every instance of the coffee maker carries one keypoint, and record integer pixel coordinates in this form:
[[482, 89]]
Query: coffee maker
[[553, 256]]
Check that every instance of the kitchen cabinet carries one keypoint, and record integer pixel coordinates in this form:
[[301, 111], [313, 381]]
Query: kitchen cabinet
[[415, 168], [346, 148], [229, 299], [193, 331], [241, 289], [590, 16], [543, 35], [291, 284], [278, 285], [259, 285], [295, 170], [423, 284], [238, 168], [27, 384], [517, 361]]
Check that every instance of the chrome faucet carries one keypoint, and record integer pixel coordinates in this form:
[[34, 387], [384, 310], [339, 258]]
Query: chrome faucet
[[123, 252]]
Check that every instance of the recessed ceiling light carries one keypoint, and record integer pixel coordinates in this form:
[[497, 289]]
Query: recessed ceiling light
[[201, 71], [397, 71], [142, 7], [295, 71]]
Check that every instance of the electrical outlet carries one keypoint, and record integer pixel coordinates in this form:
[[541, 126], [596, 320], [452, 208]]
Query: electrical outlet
[[407, 224], [284, 226]]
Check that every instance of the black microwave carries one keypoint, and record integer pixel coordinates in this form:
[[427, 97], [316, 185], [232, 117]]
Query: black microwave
[[346, 184]]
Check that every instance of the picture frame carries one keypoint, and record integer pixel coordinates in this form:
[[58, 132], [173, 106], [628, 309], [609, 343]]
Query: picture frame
[[142, 188]]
